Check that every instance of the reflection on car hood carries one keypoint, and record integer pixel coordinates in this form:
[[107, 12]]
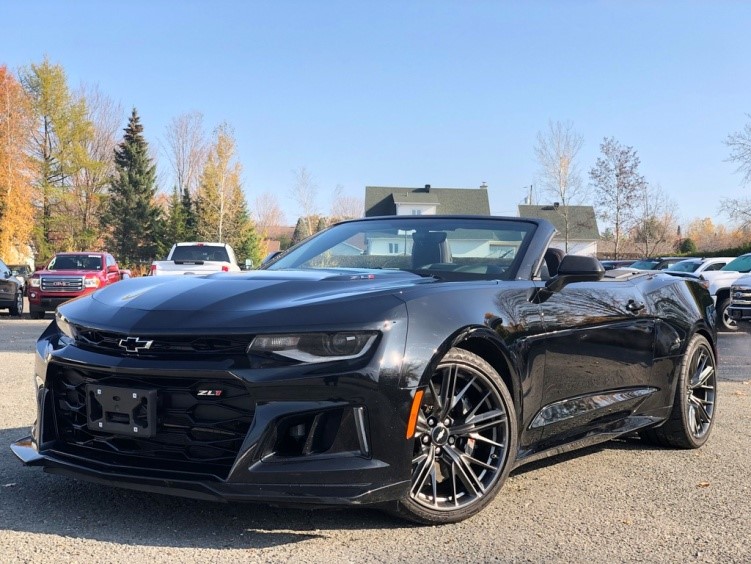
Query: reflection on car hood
[[235, 300]]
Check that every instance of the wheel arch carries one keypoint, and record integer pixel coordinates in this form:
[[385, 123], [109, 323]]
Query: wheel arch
[[487, 345]]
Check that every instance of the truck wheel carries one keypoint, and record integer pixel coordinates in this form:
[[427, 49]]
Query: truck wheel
[[36, 314], [724, 321], [17, 308]]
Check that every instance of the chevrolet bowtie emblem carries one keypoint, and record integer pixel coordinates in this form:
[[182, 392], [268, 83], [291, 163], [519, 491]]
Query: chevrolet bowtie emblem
[[135, 344]]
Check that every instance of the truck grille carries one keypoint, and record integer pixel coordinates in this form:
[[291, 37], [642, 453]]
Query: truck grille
[[740, 296], [59, 284], [194, 433]]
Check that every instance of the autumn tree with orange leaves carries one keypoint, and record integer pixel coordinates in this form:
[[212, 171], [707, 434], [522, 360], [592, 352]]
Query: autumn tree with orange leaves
[[16, 191]]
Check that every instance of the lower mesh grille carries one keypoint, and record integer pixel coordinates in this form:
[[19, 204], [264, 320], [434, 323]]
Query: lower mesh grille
[[197, 431]]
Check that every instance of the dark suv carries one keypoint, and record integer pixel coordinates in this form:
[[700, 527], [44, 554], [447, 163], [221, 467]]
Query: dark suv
[[11, 291]]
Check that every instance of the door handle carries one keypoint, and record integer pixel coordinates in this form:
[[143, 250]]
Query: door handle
[[634, 306]]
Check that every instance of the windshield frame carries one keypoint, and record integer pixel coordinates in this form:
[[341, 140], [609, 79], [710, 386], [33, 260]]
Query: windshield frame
[[434, 227]]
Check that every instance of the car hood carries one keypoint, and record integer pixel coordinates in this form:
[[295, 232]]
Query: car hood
[[67, 272], [228, 300]]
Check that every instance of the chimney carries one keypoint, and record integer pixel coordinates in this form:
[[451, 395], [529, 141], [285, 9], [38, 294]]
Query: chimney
[[484, 185], [427, 187]]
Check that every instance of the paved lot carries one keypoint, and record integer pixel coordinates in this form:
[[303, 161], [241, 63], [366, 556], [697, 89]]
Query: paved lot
[[622, 502]]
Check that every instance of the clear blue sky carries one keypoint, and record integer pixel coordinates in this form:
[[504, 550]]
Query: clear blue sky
[[396, 93]]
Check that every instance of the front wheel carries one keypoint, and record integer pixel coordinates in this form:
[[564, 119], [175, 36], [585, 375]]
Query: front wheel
[[724, 321], [36, 314], [465, 441], [17, 308], [695, 400]]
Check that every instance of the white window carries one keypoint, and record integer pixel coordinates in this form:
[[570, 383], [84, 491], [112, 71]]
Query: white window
[[394, 248], [416, 212]]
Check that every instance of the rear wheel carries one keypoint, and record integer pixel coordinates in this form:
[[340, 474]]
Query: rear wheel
[[465, 441], [695, 399], [17, 307]]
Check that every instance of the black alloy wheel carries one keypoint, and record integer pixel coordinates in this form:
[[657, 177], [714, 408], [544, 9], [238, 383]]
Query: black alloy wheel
[[465, 441], [695, 401]]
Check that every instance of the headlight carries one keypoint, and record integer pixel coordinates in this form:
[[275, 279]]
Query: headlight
[[65, 326], [315, 347], [91, 282], [36, 282]]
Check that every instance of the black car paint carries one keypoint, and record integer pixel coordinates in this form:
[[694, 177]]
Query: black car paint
[[613, 343]]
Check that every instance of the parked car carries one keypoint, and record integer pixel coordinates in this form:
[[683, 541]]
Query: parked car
[[698, 265], [655, 263], [71, 275], [22, 271], [613, 264], [11, 291], [718, 283], [739, 309], [345, 373], [196, 258]]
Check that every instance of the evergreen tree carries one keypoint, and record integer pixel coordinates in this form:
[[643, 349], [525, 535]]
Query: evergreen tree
[[191, 221], [301, 231], [132, 219], [174, 229]]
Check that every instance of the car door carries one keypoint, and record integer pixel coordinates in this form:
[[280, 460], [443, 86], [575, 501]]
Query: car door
[[598, 360]]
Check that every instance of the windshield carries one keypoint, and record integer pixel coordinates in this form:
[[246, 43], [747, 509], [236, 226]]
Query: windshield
[[76, 262], [740, 264], [685, 266], [646, 264], [445, 247]]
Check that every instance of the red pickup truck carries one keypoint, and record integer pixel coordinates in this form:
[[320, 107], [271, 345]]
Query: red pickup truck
[[71, 275]]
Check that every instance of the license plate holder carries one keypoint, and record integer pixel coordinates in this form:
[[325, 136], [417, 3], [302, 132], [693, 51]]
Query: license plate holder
[[121, 411]]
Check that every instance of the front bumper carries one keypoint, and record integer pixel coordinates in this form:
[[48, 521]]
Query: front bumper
[[298, 435], [739, 314], [284, 492]]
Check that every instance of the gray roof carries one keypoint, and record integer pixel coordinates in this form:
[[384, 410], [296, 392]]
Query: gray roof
[[382, 200], [582, 223]]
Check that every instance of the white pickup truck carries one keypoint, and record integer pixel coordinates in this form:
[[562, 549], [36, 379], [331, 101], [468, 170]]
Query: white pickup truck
[[719, 282], [195, 258]]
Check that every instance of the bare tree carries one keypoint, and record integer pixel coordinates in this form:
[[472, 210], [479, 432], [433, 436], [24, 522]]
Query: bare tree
[[267, 213], [304, 193], [558, 175], [656, 223], [739, 142], [619, 188], [345, 207], [90, 182], [187, 149]]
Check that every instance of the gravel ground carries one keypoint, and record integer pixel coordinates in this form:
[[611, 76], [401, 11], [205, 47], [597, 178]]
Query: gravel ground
[[620, 502]]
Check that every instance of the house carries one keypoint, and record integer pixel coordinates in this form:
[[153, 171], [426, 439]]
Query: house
[[382, 200], [579, 222]]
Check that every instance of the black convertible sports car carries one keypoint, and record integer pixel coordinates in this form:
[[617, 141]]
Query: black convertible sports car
[[406, 362]]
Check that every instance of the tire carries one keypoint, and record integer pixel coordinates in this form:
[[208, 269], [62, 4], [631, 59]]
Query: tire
[[464, 448], [17, 308], [695, 402], [36, 314], [724, 322]]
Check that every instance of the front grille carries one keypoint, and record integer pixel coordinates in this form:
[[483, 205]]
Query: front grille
[[740, 296], [194, 434], [164, 345], [59, 284]]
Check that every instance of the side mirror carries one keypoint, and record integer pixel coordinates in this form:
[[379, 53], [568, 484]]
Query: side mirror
[[113, 268], [575, 268]]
